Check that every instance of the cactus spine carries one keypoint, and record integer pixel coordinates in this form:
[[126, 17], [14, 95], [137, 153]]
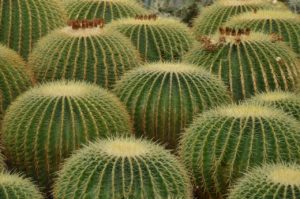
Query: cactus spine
[[222, 144], [122, 168], [91, 54], [13, 186], [47, 123], [283, 24], [157, 39], [170, 94], [277, 181], [22, 23], [247, 62], [108, 9]]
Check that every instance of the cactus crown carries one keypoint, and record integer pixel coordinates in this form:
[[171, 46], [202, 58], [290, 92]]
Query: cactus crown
[[275, 96], [265, 14], [239, 2], [288, 176]]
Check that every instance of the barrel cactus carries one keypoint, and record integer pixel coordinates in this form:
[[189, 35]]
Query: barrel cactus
[[108, 9], [283, 24], [22, 23], [91, 54], [15, 77], [287, 101], [247, 62], [223, 143], [47, 123], [13, 186], [122, 168], [162, 98], [212, 17], [277, 181], [157, 39]]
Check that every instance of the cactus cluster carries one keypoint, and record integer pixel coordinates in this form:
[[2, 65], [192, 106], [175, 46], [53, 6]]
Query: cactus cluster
[[13, 186], [247, 62], [47, 123], [107, 9], [223, 143], [277, 181], [15, 77], [22, 23], [280, 23], [122, 168], [156, 38], [77, 52], [162, 98], [286, 101]]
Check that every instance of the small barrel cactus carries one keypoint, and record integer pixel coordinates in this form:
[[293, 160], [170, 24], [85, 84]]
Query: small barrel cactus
[[223, 143], [163, 98], [91, 54], [24, 22], [15, 77], [13, 186], [247, 62], [287, 101], [276, 181], [157, 39], [212, 17], [122, 168], [47, 123], [108, 9], [284, 25]]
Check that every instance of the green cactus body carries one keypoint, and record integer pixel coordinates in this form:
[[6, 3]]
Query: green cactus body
[[93, 54], [287, 101], [162, 98], [222, 144], [276, 181], [22, 23], [160, 39], [108, 9], [248, 64], [285, 24], [122, 168], [47, 123], [14, 76], [13, 186]]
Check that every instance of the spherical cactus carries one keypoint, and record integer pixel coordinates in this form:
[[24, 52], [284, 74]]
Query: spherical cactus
[[248, 64], [22, 23], [287, 101], [163, 98], [282, 24], [93, 54], [157, 39], [47, 123], [214, 16], [277, 181], [108, 10], [13, 186], [222, 144], [15, 77], [122, 168]]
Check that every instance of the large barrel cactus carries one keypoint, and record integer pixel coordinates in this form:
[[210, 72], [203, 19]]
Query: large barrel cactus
[[282, 24], [15, 77], [13, 186], [212, 17], [287, 101], [157, 39], [47, 123], [106, 9], [91, 54], [122, 168], [224, 143], [162, 98], [248, 64], [276, 181], [22, 23]]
